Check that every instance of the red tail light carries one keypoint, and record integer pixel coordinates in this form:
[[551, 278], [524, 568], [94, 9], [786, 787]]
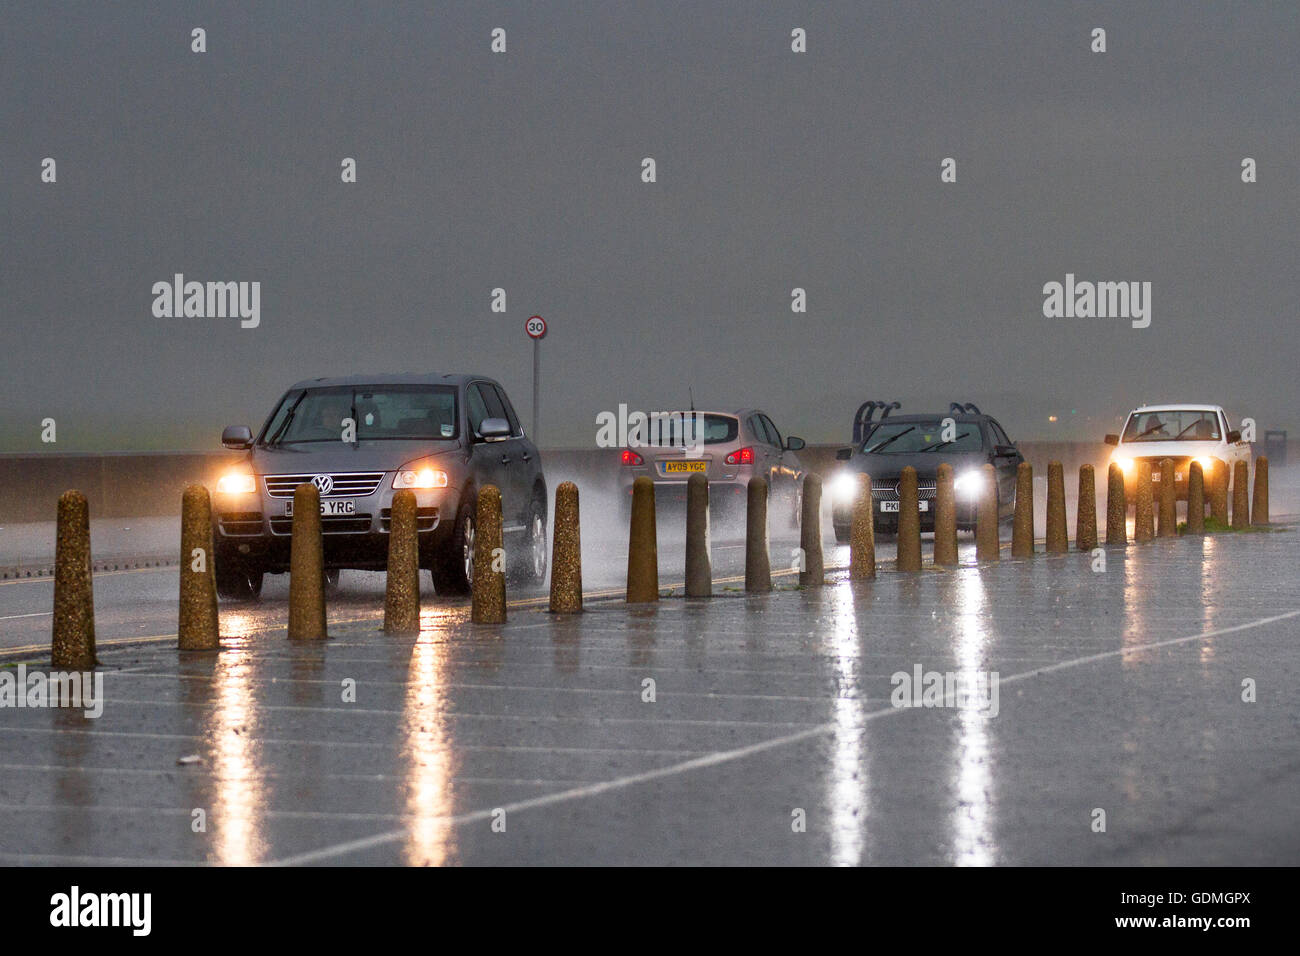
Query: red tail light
[[632, 458], [743, 456]]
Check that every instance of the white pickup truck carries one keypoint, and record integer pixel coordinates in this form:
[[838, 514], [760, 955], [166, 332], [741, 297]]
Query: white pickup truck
[[1183, 433]]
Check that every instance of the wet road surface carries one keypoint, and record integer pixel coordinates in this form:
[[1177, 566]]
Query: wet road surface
[[1119, 691]]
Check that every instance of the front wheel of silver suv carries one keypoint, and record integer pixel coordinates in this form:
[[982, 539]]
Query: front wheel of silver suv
[[453, 565]]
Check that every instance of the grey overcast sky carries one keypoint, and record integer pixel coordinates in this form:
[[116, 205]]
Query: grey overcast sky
[[521, 170]]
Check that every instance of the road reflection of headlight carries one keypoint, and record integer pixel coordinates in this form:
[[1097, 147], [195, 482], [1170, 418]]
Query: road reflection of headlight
[[968, 484], [844, 486], [236, 483]]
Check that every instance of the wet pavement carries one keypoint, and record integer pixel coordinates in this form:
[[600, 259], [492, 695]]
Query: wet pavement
[[536, 741]]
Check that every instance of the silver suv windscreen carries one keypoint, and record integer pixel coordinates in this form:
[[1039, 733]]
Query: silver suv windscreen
[[1195, 425], [383, 413], [908, 438], [672, 429]]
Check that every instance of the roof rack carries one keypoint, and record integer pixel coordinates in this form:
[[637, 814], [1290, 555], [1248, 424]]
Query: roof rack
[[970, 408], [864, 414]]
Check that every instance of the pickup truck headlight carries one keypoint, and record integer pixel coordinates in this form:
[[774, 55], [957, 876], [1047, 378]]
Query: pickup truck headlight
[[1207, 463], [420, 477], [1125, 464], [237, 482]]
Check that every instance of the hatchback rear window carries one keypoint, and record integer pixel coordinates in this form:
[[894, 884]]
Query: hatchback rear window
[[668, 429]]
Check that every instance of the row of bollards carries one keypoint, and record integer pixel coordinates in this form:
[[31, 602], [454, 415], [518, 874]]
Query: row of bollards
[[73, 634]]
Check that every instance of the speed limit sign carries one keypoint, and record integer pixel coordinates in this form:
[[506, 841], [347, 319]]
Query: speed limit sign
[[535, 327]]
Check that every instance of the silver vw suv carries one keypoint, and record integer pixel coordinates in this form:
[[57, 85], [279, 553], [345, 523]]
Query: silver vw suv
[[360, 439]]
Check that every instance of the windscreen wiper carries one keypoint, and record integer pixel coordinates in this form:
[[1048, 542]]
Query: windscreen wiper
[[948, 442], [288, 418], [889, 441]]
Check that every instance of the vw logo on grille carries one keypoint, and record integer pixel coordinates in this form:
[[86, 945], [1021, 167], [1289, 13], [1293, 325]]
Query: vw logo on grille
[[324, 484], [898, 488]]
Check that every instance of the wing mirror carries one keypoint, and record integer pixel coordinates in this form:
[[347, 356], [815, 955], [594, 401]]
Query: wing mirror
[[844, 454], [794, 444], [1004, 451], [1112, 439], [236, 436], [1234, 436], [494, 429]]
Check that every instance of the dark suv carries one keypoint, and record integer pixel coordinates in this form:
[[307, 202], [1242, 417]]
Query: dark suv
[[361, 438], [964, 438]]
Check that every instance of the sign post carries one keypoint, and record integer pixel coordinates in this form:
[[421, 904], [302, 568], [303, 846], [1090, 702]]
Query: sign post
[[536, 329]]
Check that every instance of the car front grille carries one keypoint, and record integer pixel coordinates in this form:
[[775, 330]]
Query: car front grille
[[886, 489], [329, 524], [1181, 467], [352, 484]]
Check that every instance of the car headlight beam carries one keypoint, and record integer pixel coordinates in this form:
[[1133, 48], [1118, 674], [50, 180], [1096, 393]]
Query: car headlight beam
[[844, 486], [420, 478], [968, 484], [237, 482]]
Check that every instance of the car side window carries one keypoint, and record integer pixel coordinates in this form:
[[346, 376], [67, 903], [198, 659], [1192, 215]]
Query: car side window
[[999, 435], [774, 436], [515, 428], [476, 408], [494, 407]]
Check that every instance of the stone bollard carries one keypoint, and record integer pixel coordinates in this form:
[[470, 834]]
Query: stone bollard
[[306, 568], [1085, 521], [699, 570], [1022, 529], [197, 629], [1058, 535], [643, 548], [402, 585], [987, 545], [72, 647], [566, 552], [1144, 528], [1240, 495], [758, 568], [1167, 524], [1116, 506], [488, 591], [1219, 494], [862, 534], [909, 522], [945, 518], [813, 574], [1259, 504], [1195, 499]]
